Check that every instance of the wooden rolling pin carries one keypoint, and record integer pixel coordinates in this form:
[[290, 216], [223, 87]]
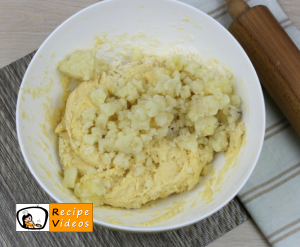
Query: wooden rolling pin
[[272, 53]]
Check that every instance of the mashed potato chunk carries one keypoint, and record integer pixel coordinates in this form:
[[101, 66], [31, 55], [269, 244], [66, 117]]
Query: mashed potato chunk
[[81, 65]]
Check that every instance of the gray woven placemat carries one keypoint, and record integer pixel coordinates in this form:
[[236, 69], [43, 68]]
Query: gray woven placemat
[[17, 185]]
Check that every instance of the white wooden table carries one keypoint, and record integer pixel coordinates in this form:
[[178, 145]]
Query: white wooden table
[[25, 24]]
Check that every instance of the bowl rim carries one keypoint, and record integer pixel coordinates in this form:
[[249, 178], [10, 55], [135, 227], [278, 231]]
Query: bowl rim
[[151, 229]]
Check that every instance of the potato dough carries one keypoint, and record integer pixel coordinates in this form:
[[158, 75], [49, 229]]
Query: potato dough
[[143, 130]]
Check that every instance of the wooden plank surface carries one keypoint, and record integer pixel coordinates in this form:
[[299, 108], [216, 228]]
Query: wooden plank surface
[[25, 24]]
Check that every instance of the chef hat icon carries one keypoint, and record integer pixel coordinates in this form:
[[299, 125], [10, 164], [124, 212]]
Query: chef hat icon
[[25, 212]]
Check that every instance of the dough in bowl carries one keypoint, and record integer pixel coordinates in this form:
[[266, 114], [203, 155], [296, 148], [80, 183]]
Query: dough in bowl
[[136, 131]]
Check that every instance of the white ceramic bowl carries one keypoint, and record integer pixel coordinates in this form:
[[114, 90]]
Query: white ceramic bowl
[[160, 18]]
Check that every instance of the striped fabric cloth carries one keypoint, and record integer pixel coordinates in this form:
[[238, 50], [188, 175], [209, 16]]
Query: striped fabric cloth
[[272, 194]]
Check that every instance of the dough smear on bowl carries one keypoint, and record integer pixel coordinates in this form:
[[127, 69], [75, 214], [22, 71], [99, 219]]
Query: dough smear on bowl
[[138, 131]]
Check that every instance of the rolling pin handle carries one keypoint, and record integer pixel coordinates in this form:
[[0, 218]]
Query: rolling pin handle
[[236, 8]]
